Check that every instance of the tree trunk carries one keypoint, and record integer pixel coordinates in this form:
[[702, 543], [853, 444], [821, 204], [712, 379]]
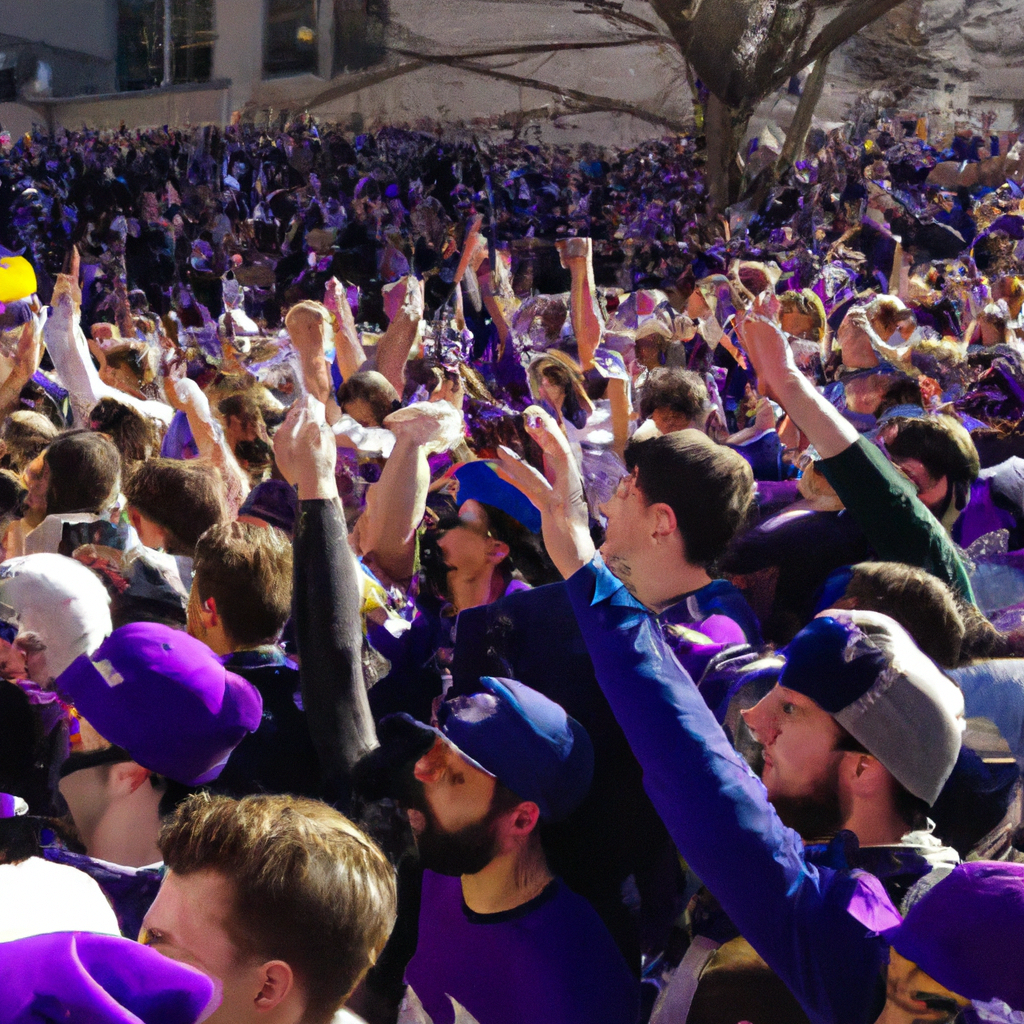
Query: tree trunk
[[724, 128], [797, 134]]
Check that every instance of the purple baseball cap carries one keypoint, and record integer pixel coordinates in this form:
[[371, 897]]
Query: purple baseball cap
[[99, 979], [967, 932], [164, 697]]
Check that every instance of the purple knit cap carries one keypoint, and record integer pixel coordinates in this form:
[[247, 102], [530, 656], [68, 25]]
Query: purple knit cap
[[165, 698], [102, 979], [967, 932]]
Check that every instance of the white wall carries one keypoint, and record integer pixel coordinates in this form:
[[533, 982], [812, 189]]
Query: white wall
[[88, 26]]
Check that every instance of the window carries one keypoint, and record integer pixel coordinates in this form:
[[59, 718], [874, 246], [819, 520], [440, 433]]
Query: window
[[290, 46], [359, 27], [140, 42]]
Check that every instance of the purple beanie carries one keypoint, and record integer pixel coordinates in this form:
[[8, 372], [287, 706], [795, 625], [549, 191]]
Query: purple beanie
[[101, 979], [165, 698], [967, 932]]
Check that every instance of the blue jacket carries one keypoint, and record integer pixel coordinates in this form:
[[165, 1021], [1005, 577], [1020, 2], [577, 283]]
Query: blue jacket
[[717, 812]]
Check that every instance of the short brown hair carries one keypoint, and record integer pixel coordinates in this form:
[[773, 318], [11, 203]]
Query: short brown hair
[[673, 388], [309, 887], [24, 435], [85, 473], [374, 388], [709, 488], [941, 444], [135, 435], [922, 604], [183, 497], [247, 570]]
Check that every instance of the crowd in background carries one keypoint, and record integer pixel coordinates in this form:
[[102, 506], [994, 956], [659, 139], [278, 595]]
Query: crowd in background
[[464, 580]]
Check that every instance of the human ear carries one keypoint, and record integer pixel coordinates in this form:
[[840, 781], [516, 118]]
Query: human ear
[[431, 765], [524, 818], [128, 776], [276, 980], [208, 613], [665, 523], [499, 551]]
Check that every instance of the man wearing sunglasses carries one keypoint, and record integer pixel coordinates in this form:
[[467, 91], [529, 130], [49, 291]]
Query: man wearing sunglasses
[[159, 715]]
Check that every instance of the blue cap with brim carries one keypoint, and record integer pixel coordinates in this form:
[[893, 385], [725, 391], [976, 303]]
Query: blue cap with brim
[[524, 740], [482, 481]]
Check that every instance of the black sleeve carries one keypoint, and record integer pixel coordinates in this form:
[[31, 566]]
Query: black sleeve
[[325, 606]]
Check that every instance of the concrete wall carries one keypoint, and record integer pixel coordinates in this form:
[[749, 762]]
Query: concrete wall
[[238, 52], [88, 26], [180, 105]]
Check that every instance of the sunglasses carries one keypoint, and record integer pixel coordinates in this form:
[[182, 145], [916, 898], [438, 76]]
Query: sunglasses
[[80, 760]]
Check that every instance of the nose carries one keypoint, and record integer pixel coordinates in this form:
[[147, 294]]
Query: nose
[[762, 720]]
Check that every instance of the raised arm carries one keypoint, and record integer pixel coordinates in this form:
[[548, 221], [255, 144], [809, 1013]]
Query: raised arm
[[396, 503], [718, 813], [211, 442], [348, 349], [326, 599], [406, 304], [69, 350], [307, 327], [558, 494], [897, 525], [577, 256], [26, 362]]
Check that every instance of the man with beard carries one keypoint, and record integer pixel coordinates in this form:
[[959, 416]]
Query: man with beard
[[493, 928], [498, 933], [860, 734]]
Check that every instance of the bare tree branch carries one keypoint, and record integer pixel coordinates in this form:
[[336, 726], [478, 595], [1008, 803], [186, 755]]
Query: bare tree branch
[[848, 22], [591, 100], [801, 123], [528, 48], [614, 13]]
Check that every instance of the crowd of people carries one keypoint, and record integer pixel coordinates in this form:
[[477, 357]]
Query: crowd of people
[[459, 581]]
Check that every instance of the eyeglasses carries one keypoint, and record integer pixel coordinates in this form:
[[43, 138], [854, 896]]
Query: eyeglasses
[[622, 488]]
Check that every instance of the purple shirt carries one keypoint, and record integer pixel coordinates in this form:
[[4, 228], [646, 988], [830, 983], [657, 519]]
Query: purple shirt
[[550, 961]]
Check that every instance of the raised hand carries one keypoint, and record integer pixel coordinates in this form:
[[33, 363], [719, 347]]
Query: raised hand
[[305, 450], [435, 426], [765, 344]]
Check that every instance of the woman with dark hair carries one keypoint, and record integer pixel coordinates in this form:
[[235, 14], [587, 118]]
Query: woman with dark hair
[[490, 548], [80, 474]]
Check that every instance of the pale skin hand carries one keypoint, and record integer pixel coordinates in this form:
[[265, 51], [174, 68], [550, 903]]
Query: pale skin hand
[[558, 494], [209, 438], [305, 451], [778, 378], [307, 328], [27, 358]]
